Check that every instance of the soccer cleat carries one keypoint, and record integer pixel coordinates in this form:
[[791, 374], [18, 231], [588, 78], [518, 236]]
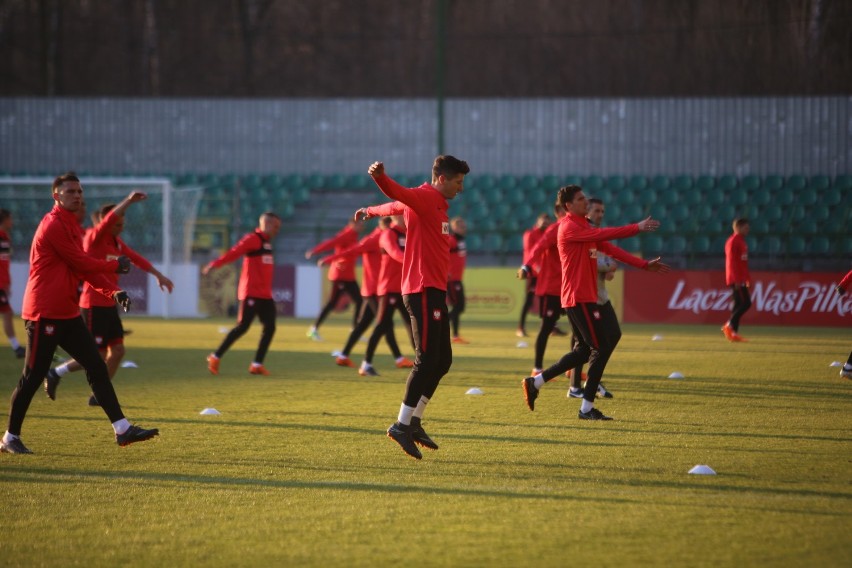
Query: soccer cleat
[[51, 381], [404, 363], [15, 446], [530, 392], [593, 414], [575, 393], [726, 329], [521, 332], [313, 334], [20, 351], [256, 369], [583, 376], [213, 364], [135, 434], [737, 338], [558, 332], [460, 340], [419, 435], [846, 373], [401, 434], [368, 371], [93, 401], [603, 392], [344, 361]]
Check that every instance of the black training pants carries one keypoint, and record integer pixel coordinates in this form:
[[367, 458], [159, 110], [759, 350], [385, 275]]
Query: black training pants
[[264, 309], [430, 327], [741, 304]]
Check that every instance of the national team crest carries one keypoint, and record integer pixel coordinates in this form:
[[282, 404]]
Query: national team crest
[[445, 228], [250, 302], [99, 339], [436, 315], [596, 314], [49, 330], [593, 253]]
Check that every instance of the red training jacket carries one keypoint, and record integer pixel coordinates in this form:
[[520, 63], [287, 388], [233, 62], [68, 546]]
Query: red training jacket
[[258, 265], [531, 237], [458, 258], [5, 257], [578, 243], [57, 264], [545, 254], [427, 250], [371, 260], [344, 267], [99, 242], [736, 261], [393, 246]]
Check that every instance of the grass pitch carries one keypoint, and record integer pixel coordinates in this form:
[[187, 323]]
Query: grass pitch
[[297, 471]]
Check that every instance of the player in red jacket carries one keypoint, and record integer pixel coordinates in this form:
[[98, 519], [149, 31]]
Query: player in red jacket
[[341, 274], [254, 291], [531, 237], [842, 288], [425, 267], [52, 315], [6, 282], [737, 277], [579, 242], [455, 287], [100, 313]]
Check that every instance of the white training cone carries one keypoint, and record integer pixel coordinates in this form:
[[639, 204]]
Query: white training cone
[[474, 390], [836, 364], [522, 344], [223, 329], [129, 365], [702, 470], [211, 411], [676, 375], [657, 338]]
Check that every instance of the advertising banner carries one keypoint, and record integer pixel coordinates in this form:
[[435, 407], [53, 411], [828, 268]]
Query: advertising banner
[[778, 298]]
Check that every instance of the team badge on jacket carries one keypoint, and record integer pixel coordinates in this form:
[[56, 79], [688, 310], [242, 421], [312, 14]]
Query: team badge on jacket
[[445, 228], [49, 330], [436, 315]]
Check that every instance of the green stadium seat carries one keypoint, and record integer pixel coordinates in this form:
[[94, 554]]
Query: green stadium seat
[[651, 245], [663, 182], [593, 183], [647, 197], [770, 246], [315, 181], [750, 183], [632, 244], [616, 183], [820, 246], [638, 183], [683, 183], [783, 197], [796, 183], [700, 244], [575, 180], [230, 180], [680, 213], [669, 197], [485, 224], [658, 211], [473, 242], [335, 181], [820, 213], [795, 246], [831, 197], [819, 183], [486, 182], [293, 181], [493, 242], [845, 247], [692, 197], [738, 198], [513, 224], [705, 183], [759, 226], [761, 197], [842, 182], [528, 183], [300, 194], [550, 183], [727, 183], [632, 213], [360, 181], [186, 179], [271, 181], [507, 182], [677, 244], [208, 180], [806, 197], [773, 183], [518, 196]]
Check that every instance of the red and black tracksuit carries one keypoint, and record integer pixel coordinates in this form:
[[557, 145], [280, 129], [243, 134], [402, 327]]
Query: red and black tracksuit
[[341, 273], [455, 287], [390, 292], [737, 277], [545, 254], [531, 237]]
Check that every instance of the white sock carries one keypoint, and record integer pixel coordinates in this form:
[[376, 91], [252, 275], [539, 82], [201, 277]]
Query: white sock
[[400, 358], [62, 369], [365, 365], [7, 437], [421, 406], [405, 414], [121, 426], [13, 341], [256, 364], [538, 381], [586, 406], [847, 367]]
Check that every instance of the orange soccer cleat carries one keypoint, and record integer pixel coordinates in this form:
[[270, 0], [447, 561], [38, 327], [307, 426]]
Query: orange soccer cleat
[[460, 340], [737, 338], [256, 369], [344, 361], [729, 333], [404, 363], [213, 364]]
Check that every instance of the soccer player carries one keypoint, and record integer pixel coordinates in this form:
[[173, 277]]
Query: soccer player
[[371, 261], [455, 288], [531, 236], [101, 314], [606, 271], [52, 315], [6, 281], [425, 268], [341, 274], [578, 244], [545, 255], [390, 297], [254, 291], [737, 277], [842, 288]]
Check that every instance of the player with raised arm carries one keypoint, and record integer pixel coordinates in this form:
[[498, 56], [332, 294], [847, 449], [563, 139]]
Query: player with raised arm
[[425, 268]]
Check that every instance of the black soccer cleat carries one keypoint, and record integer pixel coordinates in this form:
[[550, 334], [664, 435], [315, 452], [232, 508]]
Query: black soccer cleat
[[603, 392], [51, 382], [575, 393], [593, 414], [135, 434], [530, 392], [419, 435], [401, 434], [93, 401], [16, 446], [20, 351]]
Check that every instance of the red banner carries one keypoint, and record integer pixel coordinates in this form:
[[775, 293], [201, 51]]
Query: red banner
[[778, 298]]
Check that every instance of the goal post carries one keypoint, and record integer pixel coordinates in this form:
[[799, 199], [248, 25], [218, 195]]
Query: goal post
[[161, 228]]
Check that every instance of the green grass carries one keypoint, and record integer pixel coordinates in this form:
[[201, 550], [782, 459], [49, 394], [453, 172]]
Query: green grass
[[297, 469]]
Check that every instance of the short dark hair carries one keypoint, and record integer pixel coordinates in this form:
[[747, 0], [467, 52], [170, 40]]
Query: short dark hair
[[595, 201], [4, 214], [449, 166], [566, 195], [68, 176], [104, 209], [740, 221], [272, 214]]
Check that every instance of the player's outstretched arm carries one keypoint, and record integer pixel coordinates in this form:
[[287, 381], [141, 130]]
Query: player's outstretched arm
[[648, 225], [657, 265], [162, 281]]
